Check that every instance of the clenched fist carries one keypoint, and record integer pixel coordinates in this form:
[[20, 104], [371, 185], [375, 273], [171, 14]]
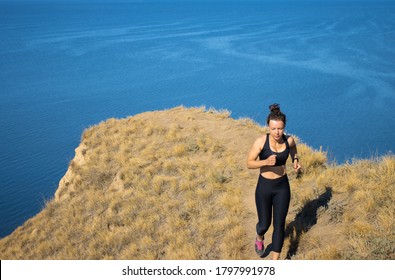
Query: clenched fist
[[271, 160]]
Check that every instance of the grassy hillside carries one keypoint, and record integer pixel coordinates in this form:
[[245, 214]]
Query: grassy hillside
[[173, 184]]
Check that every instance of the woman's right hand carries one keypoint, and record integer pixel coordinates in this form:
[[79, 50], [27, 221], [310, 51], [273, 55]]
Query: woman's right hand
[[271, 160]]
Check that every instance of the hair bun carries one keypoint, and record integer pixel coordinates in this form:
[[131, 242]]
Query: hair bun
[[274, 108]]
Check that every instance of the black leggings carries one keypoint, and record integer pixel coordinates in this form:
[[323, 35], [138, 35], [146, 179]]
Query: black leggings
[[272, 194]]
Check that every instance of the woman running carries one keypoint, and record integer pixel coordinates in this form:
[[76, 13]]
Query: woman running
[[272, 194]]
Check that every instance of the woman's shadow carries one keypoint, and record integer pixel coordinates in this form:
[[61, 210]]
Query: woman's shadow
[[304, 220]]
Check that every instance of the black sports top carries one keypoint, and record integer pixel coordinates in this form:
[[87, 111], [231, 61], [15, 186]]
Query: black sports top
[[281, 157]]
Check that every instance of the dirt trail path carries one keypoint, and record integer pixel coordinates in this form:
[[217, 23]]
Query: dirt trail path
[[238, 142]]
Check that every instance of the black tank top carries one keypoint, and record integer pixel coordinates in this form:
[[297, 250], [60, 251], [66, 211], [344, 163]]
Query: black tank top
[[281, 157]]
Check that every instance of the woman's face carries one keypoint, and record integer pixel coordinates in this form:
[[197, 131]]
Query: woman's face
[[276, 129]]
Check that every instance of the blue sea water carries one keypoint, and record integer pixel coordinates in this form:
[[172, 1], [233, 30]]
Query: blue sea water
[[67, 66]]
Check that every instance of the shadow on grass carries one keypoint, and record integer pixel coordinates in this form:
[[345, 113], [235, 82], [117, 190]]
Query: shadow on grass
[[304, 220]]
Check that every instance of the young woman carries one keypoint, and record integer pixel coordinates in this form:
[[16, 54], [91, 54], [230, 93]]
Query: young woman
[[272, 194]]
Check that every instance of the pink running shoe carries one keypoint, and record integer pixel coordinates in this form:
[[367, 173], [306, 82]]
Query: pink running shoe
[[259, 247]]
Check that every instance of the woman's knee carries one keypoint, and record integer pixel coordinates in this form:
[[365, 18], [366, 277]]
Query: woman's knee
[[261, 229]]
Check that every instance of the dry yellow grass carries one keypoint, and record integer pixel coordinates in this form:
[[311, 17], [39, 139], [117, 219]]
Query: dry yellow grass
[[173, 185], [358, 219]]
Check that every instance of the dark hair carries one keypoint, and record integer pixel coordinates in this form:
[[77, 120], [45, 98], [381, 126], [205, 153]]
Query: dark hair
[[276, 114]]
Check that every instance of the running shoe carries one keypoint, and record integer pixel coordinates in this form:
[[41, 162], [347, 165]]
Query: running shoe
[[259, 247]]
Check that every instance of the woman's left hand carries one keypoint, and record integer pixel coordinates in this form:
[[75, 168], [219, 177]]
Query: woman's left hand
[[297, 166]]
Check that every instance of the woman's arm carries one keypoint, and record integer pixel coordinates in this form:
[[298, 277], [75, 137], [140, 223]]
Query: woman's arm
[[294, 153], [252, 162]]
